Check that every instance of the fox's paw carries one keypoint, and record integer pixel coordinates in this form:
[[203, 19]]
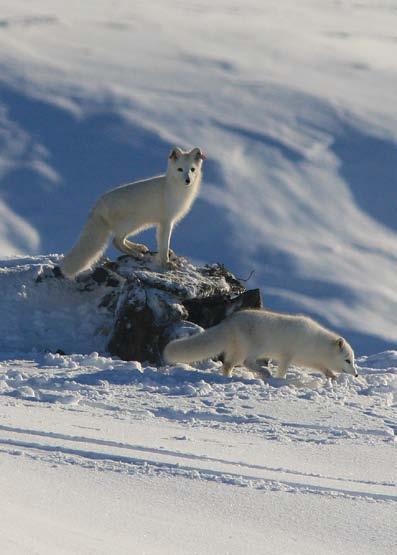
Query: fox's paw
[[167, 265], [227, 369], [171, 265], [142, 249]]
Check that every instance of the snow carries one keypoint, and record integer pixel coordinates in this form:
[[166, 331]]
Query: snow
[[51, 315], [98, 454], [294, 104], [167, 516]]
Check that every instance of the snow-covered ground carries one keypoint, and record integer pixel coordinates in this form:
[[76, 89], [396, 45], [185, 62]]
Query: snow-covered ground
[[294, 103], [98, 455], [105, 456]]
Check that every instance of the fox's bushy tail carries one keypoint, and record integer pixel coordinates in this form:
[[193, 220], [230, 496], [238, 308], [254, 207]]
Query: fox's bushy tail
[[88, 249], [201, 346]]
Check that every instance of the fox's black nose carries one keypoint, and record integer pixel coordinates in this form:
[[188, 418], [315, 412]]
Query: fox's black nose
[[187, 180]]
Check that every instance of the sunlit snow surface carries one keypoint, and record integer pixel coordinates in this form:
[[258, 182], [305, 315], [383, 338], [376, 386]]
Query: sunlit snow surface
[[293, 102]]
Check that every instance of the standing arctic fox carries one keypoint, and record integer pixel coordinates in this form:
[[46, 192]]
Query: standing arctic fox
[[160, 201], [249, 335]]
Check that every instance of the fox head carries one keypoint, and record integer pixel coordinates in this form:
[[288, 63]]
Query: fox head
[[343, 356], [185, 167]]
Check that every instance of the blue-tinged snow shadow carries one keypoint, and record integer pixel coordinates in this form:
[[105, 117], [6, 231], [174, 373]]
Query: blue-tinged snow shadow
[[174, 379], [267, 141], [173, 382], [368, 164]]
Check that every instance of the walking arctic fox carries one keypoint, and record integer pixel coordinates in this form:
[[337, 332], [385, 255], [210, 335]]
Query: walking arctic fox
[[160, 201], [248, 335]]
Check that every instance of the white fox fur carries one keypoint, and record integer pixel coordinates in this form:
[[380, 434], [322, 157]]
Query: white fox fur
[[249, 335], [160, 201]]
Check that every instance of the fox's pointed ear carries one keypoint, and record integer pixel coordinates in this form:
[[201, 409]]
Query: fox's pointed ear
[[175, 153], [198, 154], [340, 343]]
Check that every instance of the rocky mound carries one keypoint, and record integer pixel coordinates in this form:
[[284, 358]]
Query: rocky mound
[[150, 306]]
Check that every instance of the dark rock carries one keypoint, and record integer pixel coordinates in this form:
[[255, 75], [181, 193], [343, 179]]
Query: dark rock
[[109, 301], [88, 281], [100, 275], [207, 312], [50, 272], [153, 306], [142, 315], [58, 272]]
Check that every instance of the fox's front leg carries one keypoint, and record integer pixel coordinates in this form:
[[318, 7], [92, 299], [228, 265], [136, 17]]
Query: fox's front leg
[[253, 365], [163, 242]]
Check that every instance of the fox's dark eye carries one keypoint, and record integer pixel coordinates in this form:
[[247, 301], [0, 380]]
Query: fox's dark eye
[[348, 361], [192, 169], [180, 169]]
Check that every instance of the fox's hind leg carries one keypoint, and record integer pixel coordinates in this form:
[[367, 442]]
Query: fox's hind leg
[[234, 355], [283, 364], [128, 247]]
